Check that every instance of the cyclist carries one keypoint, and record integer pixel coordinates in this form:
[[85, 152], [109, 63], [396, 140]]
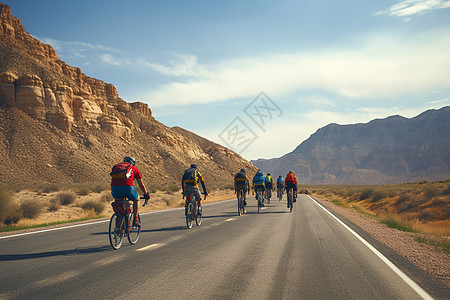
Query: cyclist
[[189, 183], [269, 184], [280, 185], [291, 183], [258, 183], [241, 182], [122, 178]]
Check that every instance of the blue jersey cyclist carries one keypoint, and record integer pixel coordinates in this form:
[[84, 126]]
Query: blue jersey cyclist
[[122, 184], [258, 183]]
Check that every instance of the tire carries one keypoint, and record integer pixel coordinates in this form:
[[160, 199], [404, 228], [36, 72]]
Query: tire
[[116, 236], [135, 232], [239, 206], [291, 207], [259, 202], [189, 215], [198, 219]]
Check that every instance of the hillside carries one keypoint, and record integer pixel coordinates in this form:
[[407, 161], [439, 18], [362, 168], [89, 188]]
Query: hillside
[[390, 150], [59, 125]]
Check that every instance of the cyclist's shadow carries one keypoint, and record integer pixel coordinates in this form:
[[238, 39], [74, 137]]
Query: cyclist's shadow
[[175, 228], [76, 251]]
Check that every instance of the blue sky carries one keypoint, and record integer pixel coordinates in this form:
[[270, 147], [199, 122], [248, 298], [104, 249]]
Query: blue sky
[[257, 76]]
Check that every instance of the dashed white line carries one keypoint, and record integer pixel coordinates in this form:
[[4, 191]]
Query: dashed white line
[[153, 246]]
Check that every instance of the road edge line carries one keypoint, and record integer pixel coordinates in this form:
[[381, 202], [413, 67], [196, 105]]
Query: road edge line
[[421, 292]]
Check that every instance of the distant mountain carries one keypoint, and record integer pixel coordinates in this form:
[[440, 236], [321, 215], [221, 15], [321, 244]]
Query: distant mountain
[[59, 125], [391, 150]]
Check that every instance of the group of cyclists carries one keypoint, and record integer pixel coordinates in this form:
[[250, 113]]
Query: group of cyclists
[[264, 184], [123, 175]]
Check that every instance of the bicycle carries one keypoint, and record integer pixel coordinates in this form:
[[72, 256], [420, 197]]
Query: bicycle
[[290, 199], [121, 224], [259, 197], [191, 210], [268, 194], [241, 201], [280, 194]]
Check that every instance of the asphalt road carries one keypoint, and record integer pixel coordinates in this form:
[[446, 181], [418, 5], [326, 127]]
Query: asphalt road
[[306, 254]]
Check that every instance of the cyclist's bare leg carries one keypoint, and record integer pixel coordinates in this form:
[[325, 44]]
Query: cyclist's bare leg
[[136, 208]]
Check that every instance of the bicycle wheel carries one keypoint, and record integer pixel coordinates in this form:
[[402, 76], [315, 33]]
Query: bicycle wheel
[[239, 205], [134, 232], [189, 215], [259, 202], [198, 217], [116, 226]]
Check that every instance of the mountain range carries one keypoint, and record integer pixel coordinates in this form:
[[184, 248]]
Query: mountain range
[[59, 125], [382, 151]]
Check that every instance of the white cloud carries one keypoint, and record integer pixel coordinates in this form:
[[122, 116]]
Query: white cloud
[[414, 7], [384, 66], [109, 59], [74, 46]]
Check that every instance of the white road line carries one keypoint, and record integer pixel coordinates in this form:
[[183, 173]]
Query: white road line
[[393, 267], [102, 221], [153, 246]]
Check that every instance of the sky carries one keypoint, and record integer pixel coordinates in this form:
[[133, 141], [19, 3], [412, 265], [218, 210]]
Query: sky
[[259, 77]]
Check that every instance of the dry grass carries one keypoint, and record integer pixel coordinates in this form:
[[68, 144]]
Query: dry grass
[[83, 207], [423, 206]]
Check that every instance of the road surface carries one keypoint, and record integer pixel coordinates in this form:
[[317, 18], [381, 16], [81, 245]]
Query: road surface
[[306, 254]]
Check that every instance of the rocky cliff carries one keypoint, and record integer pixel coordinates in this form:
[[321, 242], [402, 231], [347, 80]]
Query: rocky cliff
[[59, 125], [391, 150]]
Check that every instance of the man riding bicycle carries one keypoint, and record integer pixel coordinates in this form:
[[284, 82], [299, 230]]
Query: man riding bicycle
[[189, 183], [258, 183], [291, 183], [241, 183], [269, 182], [280, 184], [122, 178]]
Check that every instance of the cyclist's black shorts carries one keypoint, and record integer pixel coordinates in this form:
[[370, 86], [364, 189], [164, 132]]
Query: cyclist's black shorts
[[290, 185], [260, 187]]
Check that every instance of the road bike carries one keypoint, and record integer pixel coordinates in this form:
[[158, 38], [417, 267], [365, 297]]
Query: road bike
[[280, 193], [242, 209], [268, 194], [290, 196], [259, 197], [121, 224], [191, 210]]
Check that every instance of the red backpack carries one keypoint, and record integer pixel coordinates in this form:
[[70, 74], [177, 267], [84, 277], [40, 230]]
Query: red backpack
[[290, 178], [121, 170]]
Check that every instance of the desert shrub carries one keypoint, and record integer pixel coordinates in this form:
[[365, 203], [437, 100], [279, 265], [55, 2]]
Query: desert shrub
[[446, 191], [366, 194], [54, 205], [31, 209], [430, 192], [98, 188], [95, 205], [377, 196], [50, 188], [83, 190], [172, 188], [65, 198], [106, 197], [403, 198], [9, 212]]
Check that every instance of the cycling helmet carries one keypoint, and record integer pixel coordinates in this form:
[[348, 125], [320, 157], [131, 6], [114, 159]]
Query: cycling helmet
[[268, 174], [243, 170], [194, 166], [130, 160], [291, 172]]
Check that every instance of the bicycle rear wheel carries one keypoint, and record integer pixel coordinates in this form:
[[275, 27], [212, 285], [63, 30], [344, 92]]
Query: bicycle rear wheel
[[116, 229], [259, 201], [189, 215], [134, 232], [198, 217]]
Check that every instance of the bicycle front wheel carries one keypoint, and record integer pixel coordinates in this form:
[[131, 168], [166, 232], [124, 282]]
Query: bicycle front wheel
[[189, 215], [134, 232], [116, 226]]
